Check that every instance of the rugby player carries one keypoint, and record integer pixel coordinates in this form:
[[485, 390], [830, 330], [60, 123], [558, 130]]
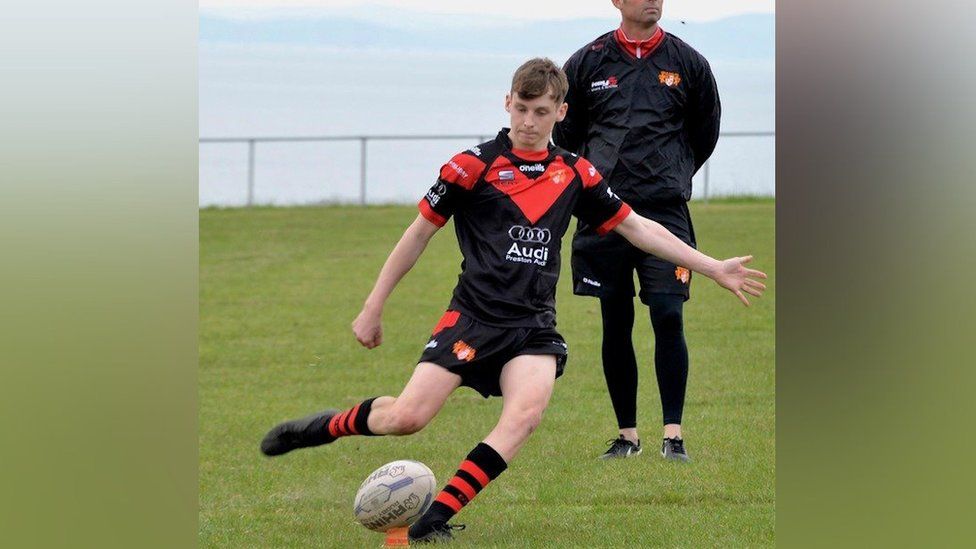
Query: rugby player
[[512, 199]]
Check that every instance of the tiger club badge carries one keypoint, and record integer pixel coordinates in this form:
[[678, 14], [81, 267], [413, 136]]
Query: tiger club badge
[[669, 79], [463, 351], [682, 274]]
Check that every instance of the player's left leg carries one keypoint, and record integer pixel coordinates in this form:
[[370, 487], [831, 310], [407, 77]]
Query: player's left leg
[[526, 384], [671, 367]]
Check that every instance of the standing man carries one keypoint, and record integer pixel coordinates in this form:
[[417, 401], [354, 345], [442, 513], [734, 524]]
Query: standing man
[[644, 109]]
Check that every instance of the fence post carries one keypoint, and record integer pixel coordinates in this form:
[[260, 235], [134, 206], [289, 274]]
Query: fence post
[[250, 172], [706, 182], [362, 170]]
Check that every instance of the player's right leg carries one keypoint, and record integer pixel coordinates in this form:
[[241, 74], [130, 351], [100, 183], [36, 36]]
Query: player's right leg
[[411, 411], [620, 372]]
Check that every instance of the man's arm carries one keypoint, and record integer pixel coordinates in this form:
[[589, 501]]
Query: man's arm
[[570, 134], [368, 326], [704, 117], [730, 274]]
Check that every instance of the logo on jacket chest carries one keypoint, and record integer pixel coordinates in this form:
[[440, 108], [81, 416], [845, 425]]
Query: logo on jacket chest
[[669, 79], [600, 85]]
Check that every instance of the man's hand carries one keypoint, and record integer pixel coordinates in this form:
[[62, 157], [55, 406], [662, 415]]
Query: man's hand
[[733, 275], [368, 328]]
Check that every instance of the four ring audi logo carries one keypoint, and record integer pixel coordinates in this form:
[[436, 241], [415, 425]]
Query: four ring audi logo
[[530, 234]]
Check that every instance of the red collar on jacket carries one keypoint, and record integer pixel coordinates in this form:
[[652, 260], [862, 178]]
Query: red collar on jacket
[[639, 49]]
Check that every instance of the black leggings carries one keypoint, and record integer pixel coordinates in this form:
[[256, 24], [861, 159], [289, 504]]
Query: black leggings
[[670, 356]]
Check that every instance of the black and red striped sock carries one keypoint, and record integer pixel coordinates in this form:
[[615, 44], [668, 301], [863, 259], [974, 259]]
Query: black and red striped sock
[[352, 421], [482, 466]]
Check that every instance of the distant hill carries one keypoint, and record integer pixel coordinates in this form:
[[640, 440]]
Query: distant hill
[[741, 37]]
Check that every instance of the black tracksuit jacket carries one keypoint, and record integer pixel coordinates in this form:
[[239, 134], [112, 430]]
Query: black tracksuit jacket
[[646, 124]]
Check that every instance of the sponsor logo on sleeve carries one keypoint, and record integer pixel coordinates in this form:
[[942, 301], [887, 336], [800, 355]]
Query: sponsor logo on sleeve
[[457, 167], [435, 193]]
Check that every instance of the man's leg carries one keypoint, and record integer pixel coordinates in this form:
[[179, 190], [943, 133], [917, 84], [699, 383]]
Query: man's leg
[[671, 366], [620, 371], [526, 382], [418, 403]]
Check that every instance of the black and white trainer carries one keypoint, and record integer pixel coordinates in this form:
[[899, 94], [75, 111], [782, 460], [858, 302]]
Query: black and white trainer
[[621, 448], [674, 449], [432, 532], [306, 432]]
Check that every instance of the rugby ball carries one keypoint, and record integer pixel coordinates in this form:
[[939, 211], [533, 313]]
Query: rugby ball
[[394, 495]]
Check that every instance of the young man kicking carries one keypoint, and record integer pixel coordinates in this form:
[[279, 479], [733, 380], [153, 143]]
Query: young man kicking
[[512, 199]]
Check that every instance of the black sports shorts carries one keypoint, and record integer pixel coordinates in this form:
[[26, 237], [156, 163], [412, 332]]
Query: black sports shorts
[[477, 352], [603, 266]]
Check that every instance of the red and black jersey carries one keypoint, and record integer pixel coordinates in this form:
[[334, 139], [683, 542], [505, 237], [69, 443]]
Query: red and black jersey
[[511, 209]]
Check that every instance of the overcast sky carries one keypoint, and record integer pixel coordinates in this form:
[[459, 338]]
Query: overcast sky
[[696, 10]]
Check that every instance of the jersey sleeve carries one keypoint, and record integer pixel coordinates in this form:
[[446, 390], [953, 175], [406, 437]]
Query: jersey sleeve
[[570, 134], [455, 181], [598, 206], [705, 113]]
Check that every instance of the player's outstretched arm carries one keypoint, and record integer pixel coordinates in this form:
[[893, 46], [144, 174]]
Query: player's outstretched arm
[[731, 274], [368, 327]]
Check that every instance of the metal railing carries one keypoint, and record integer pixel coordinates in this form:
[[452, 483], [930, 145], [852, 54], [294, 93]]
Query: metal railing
[[363, 149]]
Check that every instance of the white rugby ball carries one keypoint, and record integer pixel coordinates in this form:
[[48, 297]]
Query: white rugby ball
[[394, 495]]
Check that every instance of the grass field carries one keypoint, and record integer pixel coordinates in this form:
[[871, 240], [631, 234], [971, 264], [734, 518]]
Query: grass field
[[279, 288]]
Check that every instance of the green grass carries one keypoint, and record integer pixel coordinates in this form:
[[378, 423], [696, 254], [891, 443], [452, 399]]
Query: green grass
[[279, 288]]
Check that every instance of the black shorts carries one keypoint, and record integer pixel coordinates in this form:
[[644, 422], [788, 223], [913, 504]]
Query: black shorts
[[477, 352], [603, 266]]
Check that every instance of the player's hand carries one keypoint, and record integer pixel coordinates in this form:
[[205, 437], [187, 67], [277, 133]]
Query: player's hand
[[368, 328], [734, 276]]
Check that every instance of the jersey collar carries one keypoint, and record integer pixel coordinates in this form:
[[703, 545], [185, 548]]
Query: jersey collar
[[531, 156], [639, 48]]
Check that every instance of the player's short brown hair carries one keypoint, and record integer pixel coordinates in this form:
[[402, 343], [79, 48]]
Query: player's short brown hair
[[539, 76]]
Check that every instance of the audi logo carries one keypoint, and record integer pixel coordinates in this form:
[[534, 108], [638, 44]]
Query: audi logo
[[530, 234]]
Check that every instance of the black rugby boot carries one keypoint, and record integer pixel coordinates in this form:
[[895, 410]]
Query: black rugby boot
[[298, 433], [435, 531]]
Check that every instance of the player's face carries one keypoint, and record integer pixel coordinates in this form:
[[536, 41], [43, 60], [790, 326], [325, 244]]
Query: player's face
[[640, 11], [532, 120]]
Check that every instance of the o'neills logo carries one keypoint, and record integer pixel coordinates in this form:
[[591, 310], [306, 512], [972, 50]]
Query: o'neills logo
[[532, 168], [604, 84]]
